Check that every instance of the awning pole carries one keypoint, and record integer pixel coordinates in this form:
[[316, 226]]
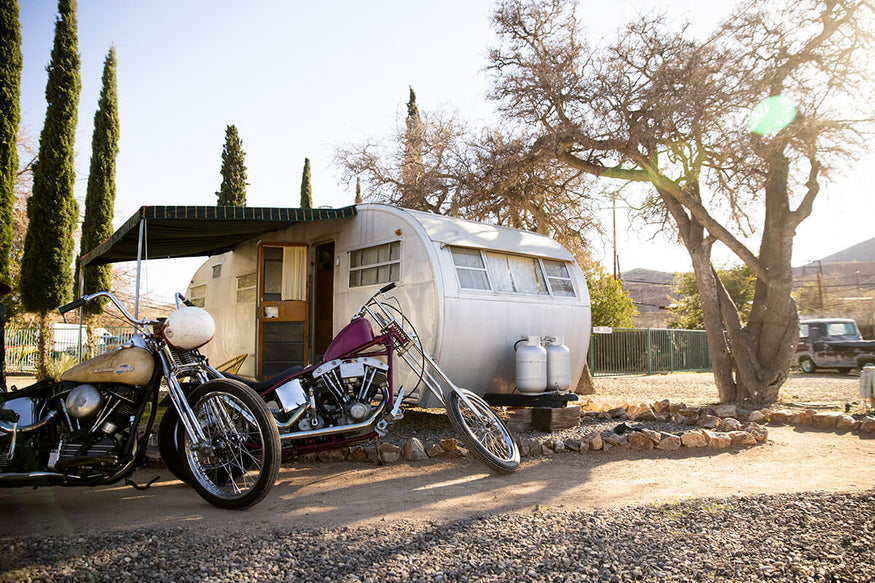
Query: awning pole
[[139, 266]]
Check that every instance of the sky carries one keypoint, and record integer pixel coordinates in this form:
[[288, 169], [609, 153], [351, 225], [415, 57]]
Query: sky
[[301, 78]]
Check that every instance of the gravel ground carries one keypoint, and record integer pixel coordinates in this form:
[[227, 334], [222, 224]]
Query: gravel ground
[[798, 537], [789, 537]]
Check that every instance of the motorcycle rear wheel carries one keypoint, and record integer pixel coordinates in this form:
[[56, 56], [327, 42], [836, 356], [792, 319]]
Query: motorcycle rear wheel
[[239, 463], [483, 431]]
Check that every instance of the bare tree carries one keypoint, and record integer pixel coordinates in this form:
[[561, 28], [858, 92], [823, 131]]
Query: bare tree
[[663, 109], [480, 175]]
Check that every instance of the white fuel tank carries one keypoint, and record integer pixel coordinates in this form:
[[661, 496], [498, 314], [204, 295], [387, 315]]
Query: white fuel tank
[[531, 366], [558, 363]]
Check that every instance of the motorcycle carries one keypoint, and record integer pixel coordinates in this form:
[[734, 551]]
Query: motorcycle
[[350, 398], [92, 426]]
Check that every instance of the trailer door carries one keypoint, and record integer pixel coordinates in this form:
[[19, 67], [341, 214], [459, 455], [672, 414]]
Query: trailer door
[[282, 308]]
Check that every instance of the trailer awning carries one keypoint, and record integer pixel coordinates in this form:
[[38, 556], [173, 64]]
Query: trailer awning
[[195, 231]]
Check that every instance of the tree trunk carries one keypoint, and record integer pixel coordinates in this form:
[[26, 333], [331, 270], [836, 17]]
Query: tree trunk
[[44, 341]]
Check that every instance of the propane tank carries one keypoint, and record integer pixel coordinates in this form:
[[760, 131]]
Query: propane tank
[[558, 363], [531, 365]]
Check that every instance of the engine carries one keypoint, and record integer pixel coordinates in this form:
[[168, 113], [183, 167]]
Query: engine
[[80, 426], [345, 392], [100, 421]]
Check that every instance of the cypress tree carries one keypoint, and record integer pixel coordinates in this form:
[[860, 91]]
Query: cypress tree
[[358, 190], [46, 277], [412, 166], [232, 192], [10, 82], [100, 196], [306, 190]]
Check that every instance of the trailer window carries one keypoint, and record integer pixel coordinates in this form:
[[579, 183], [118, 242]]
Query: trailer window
[[375, 265], [471, 269], [197, 294], [559, 278], [515, 274]]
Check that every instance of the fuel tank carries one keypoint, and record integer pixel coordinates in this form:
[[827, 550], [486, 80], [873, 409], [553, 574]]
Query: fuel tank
[[130, 365]]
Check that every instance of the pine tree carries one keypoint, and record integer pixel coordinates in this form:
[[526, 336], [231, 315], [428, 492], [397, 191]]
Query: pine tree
[[10, 82], [100, 196], [46, 277], [358, 190], [232, 192], [412, 167], [306, 189]]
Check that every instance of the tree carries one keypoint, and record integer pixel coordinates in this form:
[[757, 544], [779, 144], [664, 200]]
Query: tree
[[306, 189], [659, 108], [413, 193], [100, 195], [358, 190], [484, 175], [10, 81], [46, 278], [232, 192], [611, 305], [740, 283]]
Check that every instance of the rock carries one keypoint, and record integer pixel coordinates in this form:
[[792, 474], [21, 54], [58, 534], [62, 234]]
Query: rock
[[867, 425], [846, 423], [779, 417], [413, 450], [661, 406], [730, 424], [449, 444], [594, 442], [357, 454], [646, 415], [434, 449], [694, 439], [614, 440], [689, 411], [742, 438], [331, 455], [756, 416], [655, 436], [640, 442], [617, 413], [390, 453], [719, 440], [669, 442], [726, 410], [825, 420], [572, 444], [558, 445], [708, 422]]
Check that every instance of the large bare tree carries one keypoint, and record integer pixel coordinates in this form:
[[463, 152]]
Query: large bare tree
[[662, 108]]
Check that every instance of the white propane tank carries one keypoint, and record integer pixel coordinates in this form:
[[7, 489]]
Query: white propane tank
[[531, 366], [867, 382], [558, 363]]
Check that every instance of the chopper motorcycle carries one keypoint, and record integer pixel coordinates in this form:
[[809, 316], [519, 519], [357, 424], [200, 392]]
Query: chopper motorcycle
[[91, 427], [350, 397]]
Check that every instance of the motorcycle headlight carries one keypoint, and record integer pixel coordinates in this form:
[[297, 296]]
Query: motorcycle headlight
[[189, 328]]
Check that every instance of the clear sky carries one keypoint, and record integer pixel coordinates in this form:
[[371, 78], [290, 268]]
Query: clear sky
[[299, 78]]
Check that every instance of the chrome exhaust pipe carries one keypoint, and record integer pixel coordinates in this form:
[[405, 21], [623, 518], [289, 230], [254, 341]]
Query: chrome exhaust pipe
[[342, 428], [7, 427]]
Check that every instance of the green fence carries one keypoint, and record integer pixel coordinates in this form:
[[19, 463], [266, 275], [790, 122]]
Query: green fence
[[627, 351]]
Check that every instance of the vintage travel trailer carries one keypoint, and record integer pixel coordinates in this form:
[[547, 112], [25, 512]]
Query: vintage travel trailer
[[471, 290]]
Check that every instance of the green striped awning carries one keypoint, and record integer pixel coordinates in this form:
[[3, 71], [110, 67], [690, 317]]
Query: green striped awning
[[195, 231]]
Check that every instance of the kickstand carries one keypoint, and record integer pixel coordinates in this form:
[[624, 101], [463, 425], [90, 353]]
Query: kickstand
[[136, 486]]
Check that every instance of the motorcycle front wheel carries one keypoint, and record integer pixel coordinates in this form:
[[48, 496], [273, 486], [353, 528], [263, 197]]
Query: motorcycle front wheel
[[483, 431], [237, 464]]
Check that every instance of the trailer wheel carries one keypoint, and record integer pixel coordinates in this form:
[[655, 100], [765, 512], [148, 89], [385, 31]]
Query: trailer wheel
[[807, 365]]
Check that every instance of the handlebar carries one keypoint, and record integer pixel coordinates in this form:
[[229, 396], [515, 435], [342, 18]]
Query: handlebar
[[89, 297]]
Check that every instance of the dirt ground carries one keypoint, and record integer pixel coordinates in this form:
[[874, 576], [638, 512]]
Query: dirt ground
[[337, 494]]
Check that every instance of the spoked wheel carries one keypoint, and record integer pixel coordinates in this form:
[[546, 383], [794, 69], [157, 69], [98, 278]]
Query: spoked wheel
[[483, 431], [238, 463]]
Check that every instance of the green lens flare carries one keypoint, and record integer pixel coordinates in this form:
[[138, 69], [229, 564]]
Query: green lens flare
[[771, 115]]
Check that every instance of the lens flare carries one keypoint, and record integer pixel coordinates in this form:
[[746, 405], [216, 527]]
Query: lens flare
[[771, 115]]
